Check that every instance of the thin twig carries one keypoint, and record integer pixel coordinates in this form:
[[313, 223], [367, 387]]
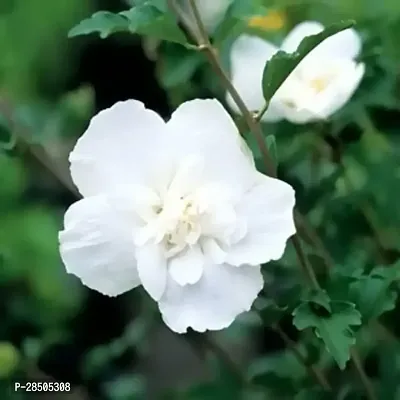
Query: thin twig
[[37, 151], [312, 369], [369, 390], [312, 235], [305, 264]]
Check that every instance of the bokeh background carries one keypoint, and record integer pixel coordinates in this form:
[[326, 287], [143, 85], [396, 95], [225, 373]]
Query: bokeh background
[[117, 348]]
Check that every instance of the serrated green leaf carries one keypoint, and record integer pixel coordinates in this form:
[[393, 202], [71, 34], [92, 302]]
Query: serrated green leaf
[[281, 65], [334, 330], [147, 19], [320, 298], [104, 22]]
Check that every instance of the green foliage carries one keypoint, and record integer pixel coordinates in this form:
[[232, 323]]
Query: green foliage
[[332, 322], [103, 22], [280, 66], [144, 18], [345, 172]]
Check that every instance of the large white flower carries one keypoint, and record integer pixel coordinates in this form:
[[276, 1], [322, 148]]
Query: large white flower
[[177, 207], [320, 85]]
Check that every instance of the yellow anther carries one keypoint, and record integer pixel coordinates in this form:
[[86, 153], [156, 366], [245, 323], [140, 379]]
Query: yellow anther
[[273, 21]]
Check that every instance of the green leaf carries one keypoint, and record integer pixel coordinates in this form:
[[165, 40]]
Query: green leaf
[[147, 19], [162, 5], [373, 293], [334, 329], [178, 66], [277, 385], [321, 299], [8, 139], [280, 66], [103, 22], [144, 19]]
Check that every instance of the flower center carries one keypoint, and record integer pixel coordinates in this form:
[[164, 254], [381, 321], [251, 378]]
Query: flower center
[[179, 224], [319, 84]]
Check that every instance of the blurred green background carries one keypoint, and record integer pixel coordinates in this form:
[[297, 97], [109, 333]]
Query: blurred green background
[[117, 349]]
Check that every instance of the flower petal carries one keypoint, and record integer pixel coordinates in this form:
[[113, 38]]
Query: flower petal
[[340, 92], [152, 268], [187, 267], [214, 301], [248, 57], [96, 246], [117, 148], [268, 208], [298, 33], [345, 44], [202, 128]]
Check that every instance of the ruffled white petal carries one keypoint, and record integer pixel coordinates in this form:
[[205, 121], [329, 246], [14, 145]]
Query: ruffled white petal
[[152, 269], [118, 148], [248, 57], [201, 128], [214, 301], [187, 267], [298, 33], [97, 247], [268, 209]]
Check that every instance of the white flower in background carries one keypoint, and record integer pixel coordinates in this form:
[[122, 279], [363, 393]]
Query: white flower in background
[[320, 85], [211, 12], [177, 207]]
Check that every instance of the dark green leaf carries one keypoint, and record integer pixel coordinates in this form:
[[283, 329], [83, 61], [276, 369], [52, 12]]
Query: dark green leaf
[[269, 311], [280, 66], [178, 66], [103, 22], [334, 330], [7, 138], [373, 293], [275, 384]]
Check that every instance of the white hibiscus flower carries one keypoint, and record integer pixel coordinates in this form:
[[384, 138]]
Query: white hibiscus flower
[[320, 85], [177, 207]]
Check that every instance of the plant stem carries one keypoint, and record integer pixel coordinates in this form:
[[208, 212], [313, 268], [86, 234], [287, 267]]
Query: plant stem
[[369, 390], [37, 151], [312, 369], [261, 112]]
